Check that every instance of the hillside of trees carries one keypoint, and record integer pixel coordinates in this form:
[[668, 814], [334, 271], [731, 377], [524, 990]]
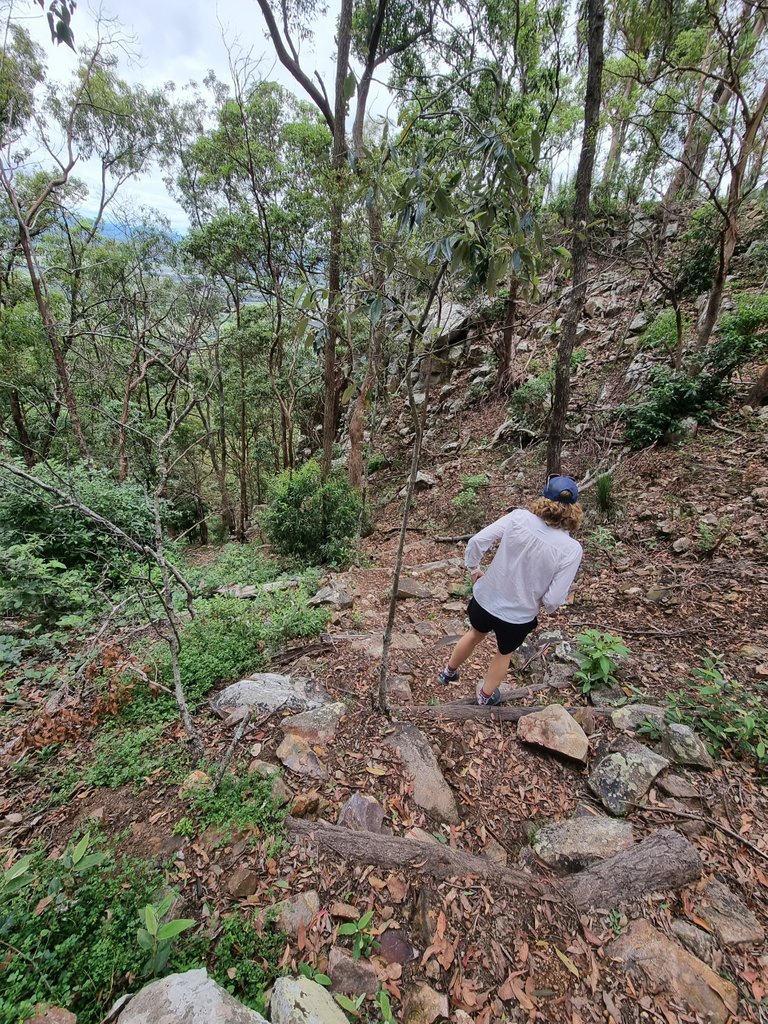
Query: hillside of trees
[[238, 467]]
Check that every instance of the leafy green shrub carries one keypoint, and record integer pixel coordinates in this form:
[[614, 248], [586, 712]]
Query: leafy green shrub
[[247, 960], [674, 394], [156, 936], [474, 483], [598, 654], [77, 949], [661, 333], [602, 539], [31, 584], [698, 252], [732, 719], [125, 757], [230, 638], [65, 535], [531, 401], [312, 520], [671, 396], [376, 462]]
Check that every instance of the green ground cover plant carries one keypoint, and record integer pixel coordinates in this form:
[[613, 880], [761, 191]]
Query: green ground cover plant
[[598, 655]]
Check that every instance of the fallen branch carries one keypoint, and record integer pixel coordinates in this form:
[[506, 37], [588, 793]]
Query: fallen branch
[[433, 859], [225, 761], [453, 540], [708, 821], [664, 860]]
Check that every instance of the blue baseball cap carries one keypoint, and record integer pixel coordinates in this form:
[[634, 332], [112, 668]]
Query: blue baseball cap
[[561, 488]]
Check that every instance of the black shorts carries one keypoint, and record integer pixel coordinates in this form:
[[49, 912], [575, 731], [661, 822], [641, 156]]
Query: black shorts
[[509, 635]]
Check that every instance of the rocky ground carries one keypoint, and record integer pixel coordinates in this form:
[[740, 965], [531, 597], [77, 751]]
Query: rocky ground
[[564, 865]]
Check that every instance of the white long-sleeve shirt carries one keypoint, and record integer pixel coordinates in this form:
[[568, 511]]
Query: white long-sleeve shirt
[[533, 568]]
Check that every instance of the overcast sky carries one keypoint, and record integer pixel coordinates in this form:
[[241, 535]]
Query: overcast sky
[[180, 41]]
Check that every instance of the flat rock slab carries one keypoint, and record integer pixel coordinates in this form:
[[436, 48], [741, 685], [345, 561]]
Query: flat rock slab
[[579, 842], [399, 689], [632, 715], [695, 940], [350, 976], [623, 778], [430, 790], [267, 691], [318, 725], [297, 912], [410, 588], [554, 729], [362, 814], [373, 646], [674, 785], [189, 998], [680, 744], [664, 966], [298, 757], [728, 916], [336, 596], [301, 1001]]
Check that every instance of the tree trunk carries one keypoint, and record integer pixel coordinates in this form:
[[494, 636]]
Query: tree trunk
[[357, 419], [618, 134], [17, 415], [663, 861], [53, 339], [506, 355], [418, 425], [344, 37], [579, 245], [729, 235]]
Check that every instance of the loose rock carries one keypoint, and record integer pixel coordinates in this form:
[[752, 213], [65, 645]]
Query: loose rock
[[430, 790], [728, 916], [362, 814], [317, 726], [394, 948], [579, 842], [695, 940], [334, 594], [244, 882], [193, 998], [422, 1005], [297, 755], [51, 1015], [633, 715], [408, 587], [681, 745], [268, 692], [554, 729], [674, 785], [195, 782], [301, 1001], [298, 911], [399, 689], [350, 976], [623, 777], [663, 966]]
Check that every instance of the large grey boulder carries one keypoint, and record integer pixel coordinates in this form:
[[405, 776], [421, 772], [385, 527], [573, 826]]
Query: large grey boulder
[[301, 1001], [189, 998], [579, 842], [430, 790], [267, 691]]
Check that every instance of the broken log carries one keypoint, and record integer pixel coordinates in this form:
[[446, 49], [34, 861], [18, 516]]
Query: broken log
[[465, 712], [663, 861], [433, 859]]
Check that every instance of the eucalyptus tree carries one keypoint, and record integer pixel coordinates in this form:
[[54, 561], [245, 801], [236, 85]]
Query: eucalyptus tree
[[96, 116], [580, 236]]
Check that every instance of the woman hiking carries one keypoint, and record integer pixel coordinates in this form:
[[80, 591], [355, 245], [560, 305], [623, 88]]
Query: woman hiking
[[535, 564]]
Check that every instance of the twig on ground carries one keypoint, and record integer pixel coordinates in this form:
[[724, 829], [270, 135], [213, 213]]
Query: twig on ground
[[225, 761], [708, 821]]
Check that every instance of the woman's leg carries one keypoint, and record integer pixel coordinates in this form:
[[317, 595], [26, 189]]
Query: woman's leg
[[496, 672], [465, 647]]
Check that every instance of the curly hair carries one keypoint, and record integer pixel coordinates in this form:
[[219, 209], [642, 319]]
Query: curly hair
[[560, 514]]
